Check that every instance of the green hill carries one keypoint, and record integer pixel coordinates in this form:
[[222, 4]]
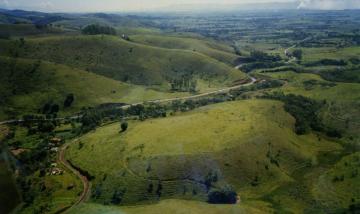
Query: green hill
[[26, 85], [126, 61], [342, 109], [217, 51], [176, 207], [338, 187], [249, 145], [18, 30]]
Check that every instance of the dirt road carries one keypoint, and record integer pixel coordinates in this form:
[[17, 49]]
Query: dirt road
[[86, 184]]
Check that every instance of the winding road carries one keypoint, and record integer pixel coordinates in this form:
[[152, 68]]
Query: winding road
[[85, 181], [224, 90]]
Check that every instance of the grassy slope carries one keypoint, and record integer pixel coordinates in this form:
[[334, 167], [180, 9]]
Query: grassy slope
[[175, 207], [57, 196], [217, 51], [339, 193], [342, 99], [239, 140], [26, 30], [314, 54], [125, 61], [52, 82]]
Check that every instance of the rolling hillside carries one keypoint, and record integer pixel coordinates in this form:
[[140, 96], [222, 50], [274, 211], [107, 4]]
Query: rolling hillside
[[26, 85], [249, 145], [215, 50], [124, 61]]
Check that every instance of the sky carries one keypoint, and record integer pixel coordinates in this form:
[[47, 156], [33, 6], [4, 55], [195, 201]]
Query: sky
[[144, 5]]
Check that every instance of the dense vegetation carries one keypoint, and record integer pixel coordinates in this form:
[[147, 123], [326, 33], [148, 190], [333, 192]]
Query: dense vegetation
[[98, 29]]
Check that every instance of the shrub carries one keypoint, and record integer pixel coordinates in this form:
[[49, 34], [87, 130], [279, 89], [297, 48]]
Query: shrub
[[69, 100], [124, 126], [224, 195]]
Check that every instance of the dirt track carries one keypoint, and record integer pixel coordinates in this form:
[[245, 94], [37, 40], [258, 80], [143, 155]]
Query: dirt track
[[86, 184]]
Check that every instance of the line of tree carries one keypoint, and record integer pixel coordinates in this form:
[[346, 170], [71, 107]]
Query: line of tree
[[96, 29], [184, 84], [306, 113]]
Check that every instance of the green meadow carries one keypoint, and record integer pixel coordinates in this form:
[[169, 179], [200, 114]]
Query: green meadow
[[250, 144]]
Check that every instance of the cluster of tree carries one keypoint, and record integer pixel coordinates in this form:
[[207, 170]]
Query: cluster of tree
[[69, 100], [306, 113], [260, 65], [327, 62], [33, 160], [118, 196], [96, 29], [298, 54], [210, 178], [258, 86], [50, 108], [184, 84], [223, 195], [259, 60], [355, 60], [93, 117], [124, 125], [344, 74], [303, 109], [310, 84], [38, 123], [296, 69]]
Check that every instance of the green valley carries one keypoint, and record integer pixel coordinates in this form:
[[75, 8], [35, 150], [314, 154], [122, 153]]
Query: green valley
[[212, 111]]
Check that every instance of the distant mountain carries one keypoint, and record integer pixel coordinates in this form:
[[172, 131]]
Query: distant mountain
[[292, 5], [40, 18]]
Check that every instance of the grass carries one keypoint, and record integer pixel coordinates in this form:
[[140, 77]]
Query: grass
[[125, 61], [249, 144], [18, 30], [338, 187], [56, 195], [53, 82], [220, 52], [314, 54], [176, 207], [342, 110]]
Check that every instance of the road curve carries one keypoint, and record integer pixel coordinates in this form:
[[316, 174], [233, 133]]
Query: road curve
[[224, 90], [86, 183]]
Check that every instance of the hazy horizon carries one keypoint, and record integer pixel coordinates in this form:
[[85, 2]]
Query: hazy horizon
[[164, 5]]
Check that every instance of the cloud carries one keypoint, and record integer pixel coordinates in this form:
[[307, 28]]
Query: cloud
[[329, 4], [5, 3], [47, 5]]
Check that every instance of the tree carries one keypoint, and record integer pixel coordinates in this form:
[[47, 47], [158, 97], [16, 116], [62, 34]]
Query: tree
[[46, 127], [96, 29], [298, 54], [224, 195], [69, 100], [54, 108], [124, 126]]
